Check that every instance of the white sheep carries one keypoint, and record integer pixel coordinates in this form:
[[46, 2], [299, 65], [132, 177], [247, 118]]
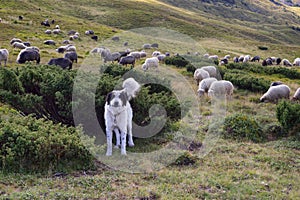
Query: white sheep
[[212, 70], [48, 31], [246, 58], [221, 88], [296, 62], [57, 27], [161, 57], [297, 95], [15, 40], [70, 47], [32, 48], [204, 85], [135, 54], [56, 31], [156, 53], [200, 74], [213, 57], [286, 62], [150, 62], [206, 55], [227, 57], [4, 56], [275, 93], [19, 45]]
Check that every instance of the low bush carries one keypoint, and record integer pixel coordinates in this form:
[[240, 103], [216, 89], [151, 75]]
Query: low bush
[[242, 127], [288, 115], [263, 48], [28, 144], [178, 61]]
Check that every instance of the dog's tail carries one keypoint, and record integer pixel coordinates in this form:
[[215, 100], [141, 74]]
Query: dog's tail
[[132, 87]]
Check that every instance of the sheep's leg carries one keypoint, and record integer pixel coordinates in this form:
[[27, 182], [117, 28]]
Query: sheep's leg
[[109, 142], [130, 140]]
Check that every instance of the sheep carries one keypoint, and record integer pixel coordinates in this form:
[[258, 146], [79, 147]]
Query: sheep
[[32, 48], [212, 70], [154, 45], [56, 31], [94, 37], [204, 85], [125, 44], [89, 32], [296, 62], [274, 83], [61, 49], [135, 54], [49, 42], [200, 74], [227, 57], [15, 40], [235, 59], [224, 61], [48, 31], [297, 95], [128, 60], [4, 56], [161, 57], [146, 46], [221, 88], [246, 58], [143, 54], [213, 57], [27, 44], [150, 62], [97, 50], [206, 55], [275, 93], [255, 58], [64, 63], [45, 23], [267, 62], [71, 56], [18, 45], [28, 55], [72, 32], [278, 61], [108, 56], [70, 47], [115, 38], [155, 53], [57, 27], [286, 62], [241, 58], [167, 54], [66, 42]]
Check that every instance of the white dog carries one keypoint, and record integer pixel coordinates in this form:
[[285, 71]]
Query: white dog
[[118, 115]]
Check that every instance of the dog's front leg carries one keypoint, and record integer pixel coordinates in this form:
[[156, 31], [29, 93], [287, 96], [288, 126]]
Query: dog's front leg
[[109, 142], [118, 143], [123, 142]]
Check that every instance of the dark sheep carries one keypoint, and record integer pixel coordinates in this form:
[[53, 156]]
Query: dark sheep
[[154, 45], [278, 61], [269, 61], [224, 61], [115, 38], [125, 44], [28, 55], [49, 42], [45, 23], [235, 59], [72, 32], [128, 60], [255, 58], [62, 62], [71, 56], [27, 44], [95, 37], [264, 63], [20, 17], [53, 21]]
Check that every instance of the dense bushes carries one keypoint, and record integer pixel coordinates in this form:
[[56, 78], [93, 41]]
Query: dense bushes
[[178, 61], [288, 115], [242, 127], [28, 144]]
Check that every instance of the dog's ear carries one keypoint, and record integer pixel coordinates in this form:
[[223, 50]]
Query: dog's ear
[[124, 98], [109, 97]]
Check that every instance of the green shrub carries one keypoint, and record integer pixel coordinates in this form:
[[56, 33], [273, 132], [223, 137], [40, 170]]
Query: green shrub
[[288, 115], [246, 81], [263, 48], [178, 61], [242, 127], [28, 144]]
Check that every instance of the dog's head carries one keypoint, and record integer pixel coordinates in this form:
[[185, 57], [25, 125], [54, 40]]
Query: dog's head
[[117, 98]]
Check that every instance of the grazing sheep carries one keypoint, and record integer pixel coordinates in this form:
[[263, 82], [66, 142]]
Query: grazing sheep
[[161, 57], [45, 23], [213, 57], [70, 47], [150, 62], [206, 55], [143, 54], [200, 74], [135, 54], [56, 31], [20, 17], [62, 62], [155, 53], [66, 42], [286, 62], [147, 46], [296, 62], [15, 40], [115, 38], [255, 58], [212, 70], [49, 42], [154, 45], [27, 44], [278, 61], [48, 31], [125, 44], [97, 50], [241, 58], [246, 58], [108, 56], [274, 83], [297, 95], [28, 55], [128, 60], [57, 27], [61, 49], [275, 93], [18, 45], [235, 59], [89, 32], [221, 88], [32, 48], [94, 37], [227, 57], [204, 85], [4, 56], [71, 56], [72, 32], [224, 61], [168, 54], [267, 62]]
